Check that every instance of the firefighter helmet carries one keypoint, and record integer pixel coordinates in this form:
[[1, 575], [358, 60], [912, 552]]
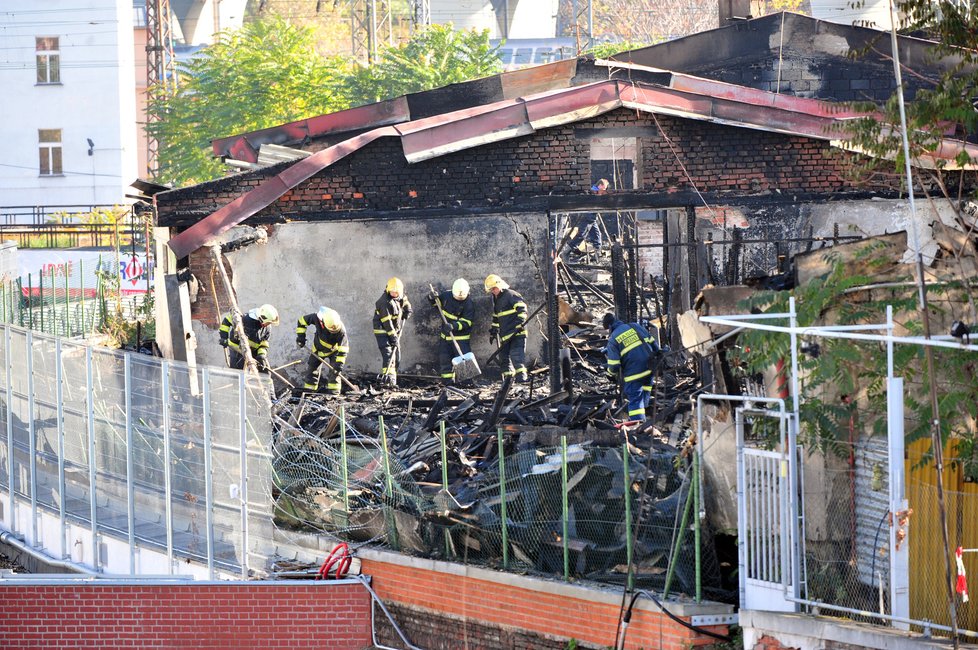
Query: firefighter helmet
[[493, 280], [330, 319], [266, 315], [395, 285], [460, 289]]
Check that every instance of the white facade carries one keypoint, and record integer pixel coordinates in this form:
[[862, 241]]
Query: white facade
[[67, 102], [503, 18]]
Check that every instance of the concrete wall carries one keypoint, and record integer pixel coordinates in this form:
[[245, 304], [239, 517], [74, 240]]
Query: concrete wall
[[345, 265]]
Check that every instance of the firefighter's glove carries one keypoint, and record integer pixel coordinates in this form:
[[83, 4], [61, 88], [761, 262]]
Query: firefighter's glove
[[300, 340], [446, 329], [519, 329], [433, 299], [494, 336], [262, 363], [392, 340], [224, 343], [331, 376]]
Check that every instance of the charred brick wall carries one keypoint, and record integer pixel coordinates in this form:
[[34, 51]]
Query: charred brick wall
[[443, 606], [677, 154], [233, 615]]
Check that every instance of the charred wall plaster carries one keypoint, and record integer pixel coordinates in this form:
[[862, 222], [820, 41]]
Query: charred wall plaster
[[345, 266]]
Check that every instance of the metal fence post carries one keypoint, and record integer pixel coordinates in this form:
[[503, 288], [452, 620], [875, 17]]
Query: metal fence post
[[62, 498], [167, 485], [344, 462], [30, 300], [563, 503], [502, 497], [130, 485], [54, 304], [628, 515], [10, 428], [696, 525], [208, 479], [92, 479], [679, 539], [81, 276], [444, 482], [67, 318], [243, 489], [32, 435], [3, 293], [389, 510]]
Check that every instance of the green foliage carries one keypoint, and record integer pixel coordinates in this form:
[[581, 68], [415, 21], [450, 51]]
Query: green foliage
[[264, 74], [269, 73], [843, 389], [605, 50], [943, 107], [435, 57]]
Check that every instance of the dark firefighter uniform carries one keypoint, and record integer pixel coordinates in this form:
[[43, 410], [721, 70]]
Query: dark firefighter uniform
[[257, 340], [389, 316], [460, 315], [509, 328], [631, 351], [327, 345]]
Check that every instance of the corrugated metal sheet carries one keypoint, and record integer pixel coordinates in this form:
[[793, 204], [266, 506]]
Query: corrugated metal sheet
[[872, 505]]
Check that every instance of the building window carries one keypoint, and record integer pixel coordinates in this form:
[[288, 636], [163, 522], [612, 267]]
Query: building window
[[49, 148], [48, 60]]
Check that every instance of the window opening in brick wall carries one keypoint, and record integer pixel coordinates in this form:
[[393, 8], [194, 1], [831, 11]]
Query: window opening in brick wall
[[48, 60], [49, 151], [615, 159]]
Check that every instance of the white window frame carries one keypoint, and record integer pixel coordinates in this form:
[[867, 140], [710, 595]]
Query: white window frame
[[45, 56], [50, 152]]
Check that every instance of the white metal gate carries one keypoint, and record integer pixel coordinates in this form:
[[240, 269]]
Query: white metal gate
[[764, 518]]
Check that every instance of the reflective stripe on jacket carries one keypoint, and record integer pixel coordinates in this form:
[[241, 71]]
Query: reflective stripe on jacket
[[325, 344], [630, 350], [460, 314], [257, 335], [389, 314], [508, 311]]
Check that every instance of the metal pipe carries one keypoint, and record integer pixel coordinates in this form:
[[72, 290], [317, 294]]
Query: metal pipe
[[502, 496], [794, 467], [130, 466], [7, 537], [208, 478], [564, 505], [697, 507], [344, 462], [10, 428], [389, 482], [679, 540], [390, 619], [628, 516], [444, 482]]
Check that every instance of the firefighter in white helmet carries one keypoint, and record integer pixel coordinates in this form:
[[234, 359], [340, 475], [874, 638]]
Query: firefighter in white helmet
[[329, 349], [508, 326], [459, 312], [390, 312], [257, 326]]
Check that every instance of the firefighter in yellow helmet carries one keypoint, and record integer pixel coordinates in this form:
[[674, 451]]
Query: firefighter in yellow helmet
[[390, 312], [508, 326], [257, 323], [330, 345], [459, 313]]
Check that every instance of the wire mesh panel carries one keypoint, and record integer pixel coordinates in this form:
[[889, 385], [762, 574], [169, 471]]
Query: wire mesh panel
[[188, 491], [5, 450], [110, 461], [147, 453], [45, 417], [20, 413], [75, 396]]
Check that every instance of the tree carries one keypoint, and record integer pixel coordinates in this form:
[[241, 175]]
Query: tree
[[435, 57], [264, 74]]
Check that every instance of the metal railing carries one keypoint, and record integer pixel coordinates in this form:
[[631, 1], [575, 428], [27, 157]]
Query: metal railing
[[129, 464]]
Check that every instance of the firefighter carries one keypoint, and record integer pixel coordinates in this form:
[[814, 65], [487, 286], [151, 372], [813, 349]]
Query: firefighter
[[390, 312], [508, 326], [459, 313], [631, 352], [257, 323], [330, 345]]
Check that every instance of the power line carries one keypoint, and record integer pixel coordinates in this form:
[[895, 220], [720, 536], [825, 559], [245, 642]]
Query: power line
[[63, 173]]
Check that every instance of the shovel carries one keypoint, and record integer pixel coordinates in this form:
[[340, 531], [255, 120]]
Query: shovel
[[464, 365]]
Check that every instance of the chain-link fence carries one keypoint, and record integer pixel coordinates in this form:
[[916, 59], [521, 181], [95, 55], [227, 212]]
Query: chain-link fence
[[571, 510]]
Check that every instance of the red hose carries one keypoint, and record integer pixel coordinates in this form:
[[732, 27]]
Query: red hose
[[340, 558]]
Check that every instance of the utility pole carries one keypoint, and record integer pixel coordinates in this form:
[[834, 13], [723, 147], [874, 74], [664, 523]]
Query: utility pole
[[583, 24], [372, 27], [161, 77]]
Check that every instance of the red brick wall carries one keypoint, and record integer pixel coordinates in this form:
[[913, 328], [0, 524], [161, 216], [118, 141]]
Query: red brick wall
[[770, 643], [235, 615], [682, 154], [446, 611]]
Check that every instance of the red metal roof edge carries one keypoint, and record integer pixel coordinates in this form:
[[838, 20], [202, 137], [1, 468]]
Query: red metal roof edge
[[245, 146], [434, 136]]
